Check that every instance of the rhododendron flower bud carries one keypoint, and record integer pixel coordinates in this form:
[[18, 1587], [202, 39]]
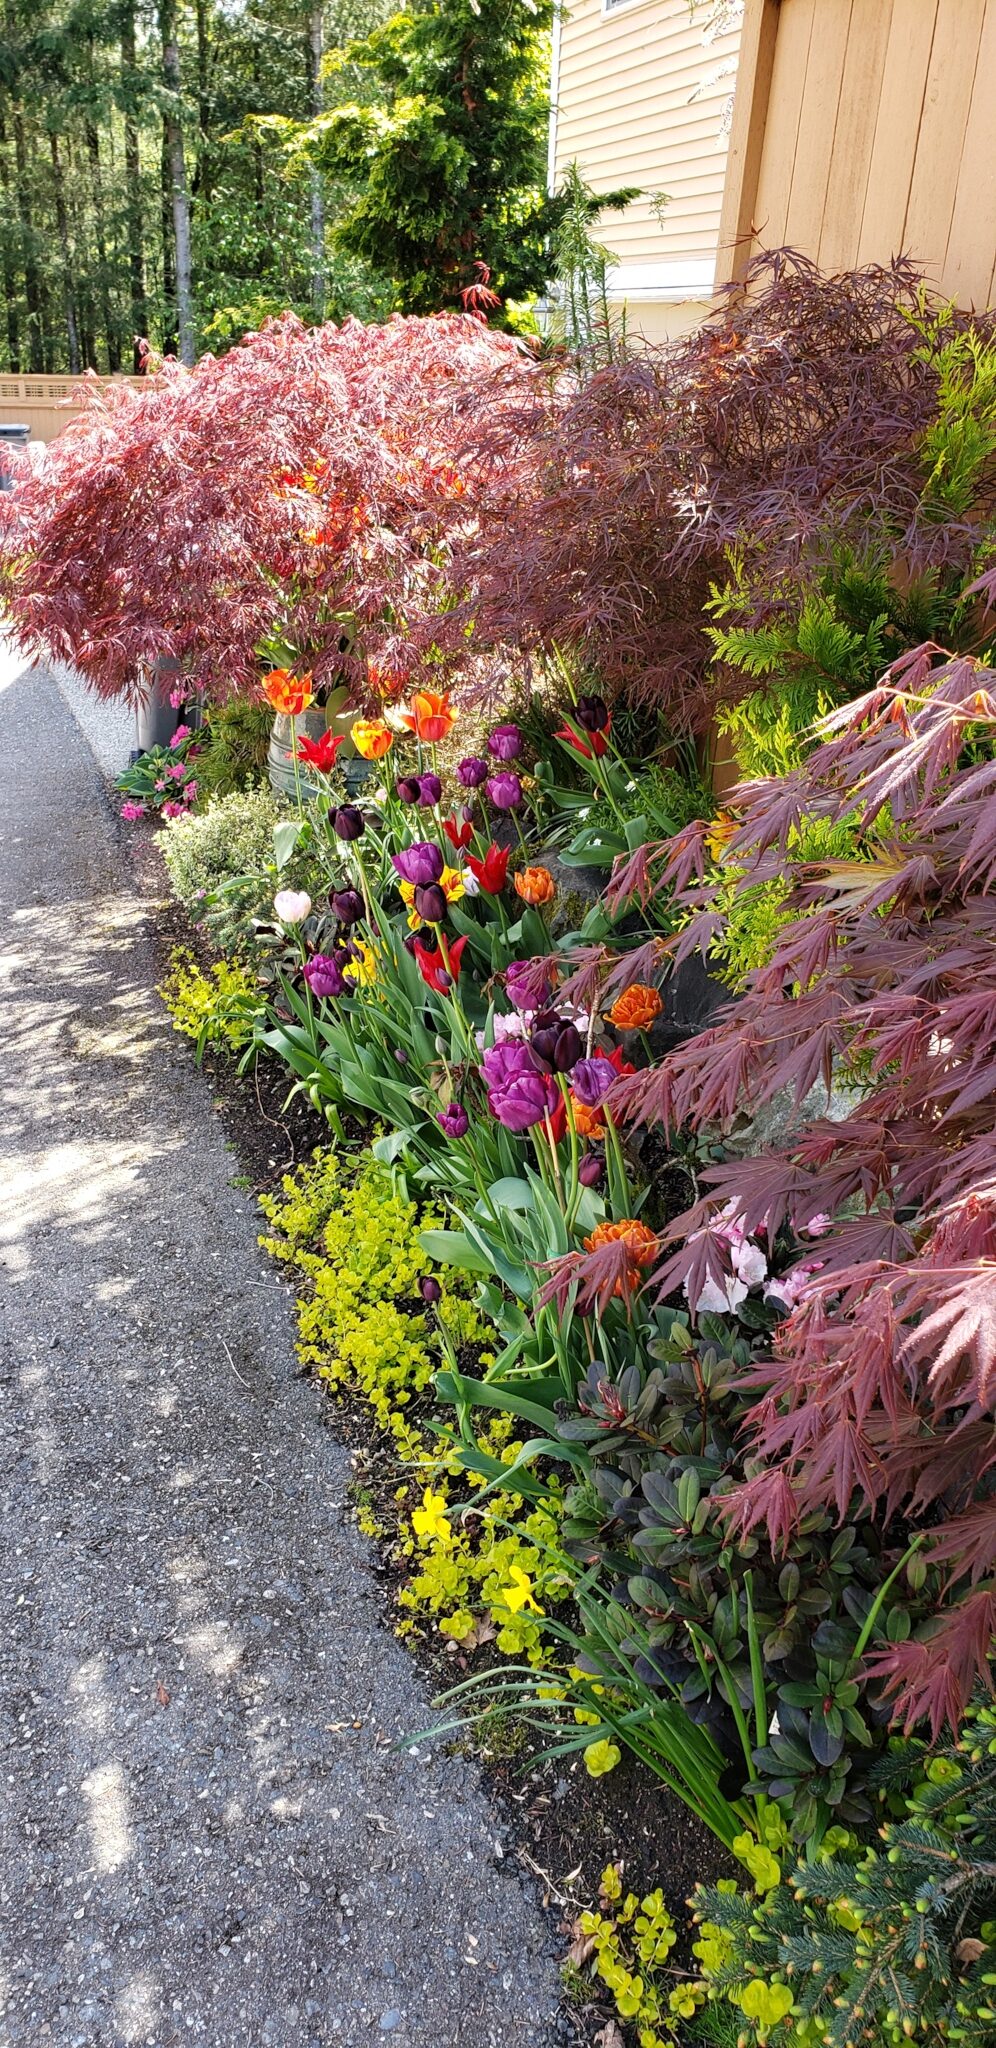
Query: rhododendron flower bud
[[430, 903], [292, 905], [505, 791], [591, 1171], [182, 733], [430, 1289], [430, 789], [348, 905], [473, 771], [454, 1120], [408, 788], [324, 976], [173, 810], [591, 1081], [420, 863], [130, 811], [349, 823], [505, 743], [592, 713]]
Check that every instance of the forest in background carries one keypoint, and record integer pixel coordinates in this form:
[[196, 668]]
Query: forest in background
[[148, 188]]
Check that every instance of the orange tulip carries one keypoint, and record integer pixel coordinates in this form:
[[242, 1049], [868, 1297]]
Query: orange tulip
[[641, 1247], [386, 678], [636, 1008], [535, 885], [288, 693], [431, 717], [371, 738], [589, 1123]]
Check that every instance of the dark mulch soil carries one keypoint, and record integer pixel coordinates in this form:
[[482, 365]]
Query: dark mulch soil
[[566, 1826]]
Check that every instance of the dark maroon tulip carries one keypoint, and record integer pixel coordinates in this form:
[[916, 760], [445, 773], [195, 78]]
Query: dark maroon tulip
[[349, 823], [592, 713], [430, 902], [591, 1171], [430, 1289], [348, 905], [408, 788]]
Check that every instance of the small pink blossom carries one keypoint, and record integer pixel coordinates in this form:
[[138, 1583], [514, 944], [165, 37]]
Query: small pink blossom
[[160, 784], [172, 810], [792, 1286], [177, 696], [749, 1263], [131, 811], [182, 732], [176, 771], [190, 792], [819, 1224]]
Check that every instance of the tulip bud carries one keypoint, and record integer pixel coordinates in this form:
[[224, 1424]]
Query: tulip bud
[[409, 943], [430, 789], [591, 1171], [430, 1289], [408, 788], [401, 1056]]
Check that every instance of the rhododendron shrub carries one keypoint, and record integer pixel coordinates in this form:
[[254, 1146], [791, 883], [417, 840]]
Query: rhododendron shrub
[[796, 422], [283, 506], [880, 1390]]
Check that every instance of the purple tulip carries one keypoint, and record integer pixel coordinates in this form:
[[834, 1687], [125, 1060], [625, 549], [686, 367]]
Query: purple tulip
[[591, 1171], [505, 791], [409, 942], [349, 823], [527, 984], [408, 788], [518, 1094], [420, 863], [324, 976], [348, 905], [505, 743], [430, 903], [591, 1081], [473, 771], [430, 789], [454, 1121], [430, 1289]]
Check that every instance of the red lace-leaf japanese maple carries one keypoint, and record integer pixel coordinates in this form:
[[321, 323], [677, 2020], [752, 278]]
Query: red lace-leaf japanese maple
[[306, 481], [881, 1386]]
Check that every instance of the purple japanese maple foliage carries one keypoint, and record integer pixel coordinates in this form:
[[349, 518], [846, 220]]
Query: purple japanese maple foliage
[[881, 1386]]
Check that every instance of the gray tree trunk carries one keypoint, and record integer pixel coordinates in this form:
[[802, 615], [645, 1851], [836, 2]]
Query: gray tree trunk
[[319, 280], [178, 183]]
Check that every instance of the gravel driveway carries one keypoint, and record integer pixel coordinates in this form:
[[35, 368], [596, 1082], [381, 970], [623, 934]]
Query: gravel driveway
[[206, 1834]]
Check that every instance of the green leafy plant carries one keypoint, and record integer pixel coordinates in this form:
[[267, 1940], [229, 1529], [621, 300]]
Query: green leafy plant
[[222, 866], [217, 1009], [234, 746], [876, 1945]]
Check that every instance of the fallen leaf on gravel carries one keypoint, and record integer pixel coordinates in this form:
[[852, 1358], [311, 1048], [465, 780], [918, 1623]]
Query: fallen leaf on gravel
[[610, 2037], [161, 1693], [581, 1949]]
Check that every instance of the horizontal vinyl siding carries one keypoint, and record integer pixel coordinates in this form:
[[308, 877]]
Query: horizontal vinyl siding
[[625, 112]]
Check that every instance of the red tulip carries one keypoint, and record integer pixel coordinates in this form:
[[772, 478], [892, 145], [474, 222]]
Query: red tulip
[[595, 743], [437, 972], [459, 836], [320, 753], [491, 871]]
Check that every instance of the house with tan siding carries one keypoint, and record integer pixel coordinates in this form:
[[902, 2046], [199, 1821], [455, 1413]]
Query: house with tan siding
[[640, 97], [860, 129]]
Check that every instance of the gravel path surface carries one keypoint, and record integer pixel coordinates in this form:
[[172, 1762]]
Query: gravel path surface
[[205, 1833]]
